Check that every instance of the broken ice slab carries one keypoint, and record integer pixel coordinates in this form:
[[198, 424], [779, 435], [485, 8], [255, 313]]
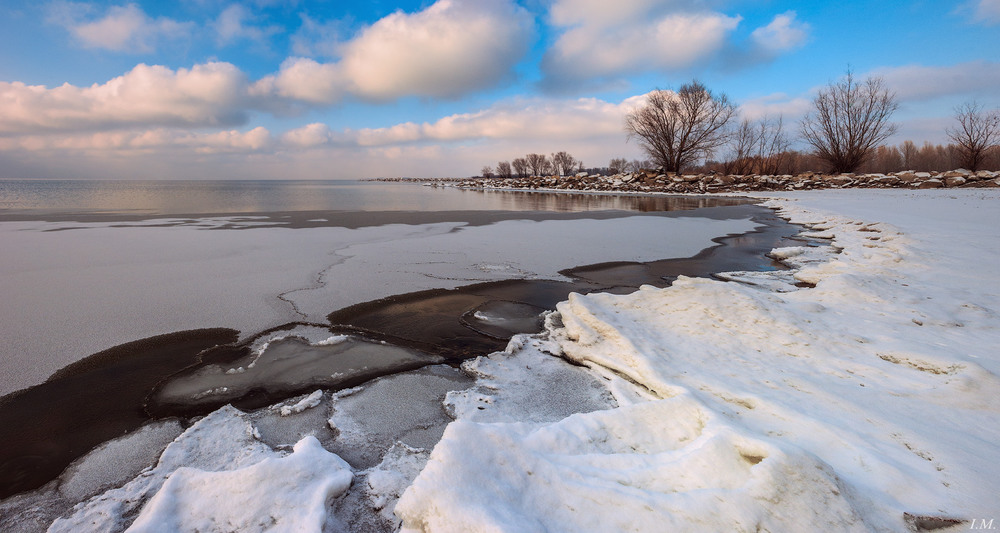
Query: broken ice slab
[[284, 367]]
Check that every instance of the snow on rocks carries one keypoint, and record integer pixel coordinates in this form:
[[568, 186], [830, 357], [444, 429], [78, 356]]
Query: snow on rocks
[[867, 402]]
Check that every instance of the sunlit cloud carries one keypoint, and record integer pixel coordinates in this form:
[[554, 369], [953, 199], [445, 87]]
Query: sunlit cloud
[[784, 33], [603, 40], [212, 94]]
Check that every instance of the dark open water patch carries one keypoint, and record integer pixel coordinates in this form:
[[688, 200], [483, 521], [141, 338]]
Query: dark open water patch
[[116, 391]]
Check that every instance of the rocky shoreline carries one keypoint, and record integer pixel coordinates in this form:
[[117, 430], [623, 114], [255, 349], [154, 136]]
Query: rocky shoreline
[[655, 181]]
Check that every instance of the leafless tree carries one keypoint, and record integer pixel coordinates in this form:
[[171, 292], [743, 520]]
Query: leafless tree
[[617, 165], [758, 147], [503, 170], [848, 121], [563, 163], [977, 131], [637, 165], [487, 171], [520, 166], [537, 163], [908, 151], [677, 129]]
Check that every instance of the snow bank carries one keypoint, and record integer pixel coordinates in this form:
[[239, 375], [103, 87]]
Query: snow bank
[[865, 402], [277, 494]]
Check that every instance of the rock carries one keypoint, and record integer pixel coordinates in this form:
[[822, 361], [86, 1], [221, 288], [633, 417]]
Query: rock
[[957, 173], [922, 175], [581, 174], [906, 177], [930, 184], [839, 181], [954, 181]]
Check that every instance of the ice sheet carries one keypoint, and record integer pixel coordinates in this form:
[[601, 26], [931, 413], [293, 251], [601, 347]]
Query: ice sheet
[[70, 293]]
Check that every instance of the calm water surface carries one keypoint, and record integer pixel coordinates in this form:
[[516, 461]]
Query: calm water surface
[[21, 199]]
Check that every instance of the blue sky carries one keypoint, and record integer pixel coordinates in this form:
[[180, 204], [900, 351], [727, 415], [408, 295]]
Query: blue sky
[[197, 89]]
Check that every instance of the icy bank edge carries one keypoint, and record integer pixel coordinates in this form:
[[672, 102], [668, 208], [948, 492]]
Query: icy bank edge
[[745, 407]]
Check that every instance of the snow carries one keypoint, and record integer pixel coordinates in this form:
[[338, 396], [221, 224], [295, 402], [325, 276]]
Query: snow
[[308, 402], [865, 402], [290, 493]]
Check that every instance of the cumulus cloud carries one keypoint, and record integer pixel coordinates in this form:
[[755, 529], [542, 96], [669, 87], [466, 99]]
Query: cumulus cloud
[[211, 94], [122, 28], [918, 82], [450, 48], [784, 33], [144, 142], [603, 40]]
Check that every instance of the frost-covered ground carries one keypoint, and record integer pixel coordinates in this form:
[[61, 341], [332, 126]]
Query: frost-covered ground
[[868, 401]]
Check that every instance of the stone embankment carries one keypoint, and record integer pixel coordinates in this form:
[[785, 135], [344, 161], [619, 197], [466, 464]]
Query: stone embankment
[[653, 181]]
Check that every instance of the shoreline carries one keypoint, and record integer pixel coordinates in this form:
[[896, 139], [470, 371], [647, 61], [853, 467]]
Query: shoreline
[[656, 182]]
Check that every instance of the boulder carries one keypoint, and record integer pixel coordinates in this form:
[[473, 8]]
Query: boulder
[[906, 177], [931, 184], [954, 181], [957, 173]]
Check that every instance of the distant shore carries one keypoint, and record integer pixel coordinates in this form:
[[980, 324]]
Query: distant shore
[[653, 181]]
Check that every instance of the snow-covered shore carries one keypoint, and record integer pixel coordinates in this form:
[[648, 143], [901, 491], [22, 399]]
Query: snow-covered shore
[[867, 401]]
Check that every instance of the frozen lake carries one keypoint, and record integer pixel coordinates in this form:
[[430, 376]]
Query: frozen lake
[[89, 265]]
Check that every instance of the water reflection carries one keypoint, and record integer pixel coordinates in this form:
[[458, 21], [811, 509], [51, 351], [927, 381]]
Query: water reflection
[[162, 198]]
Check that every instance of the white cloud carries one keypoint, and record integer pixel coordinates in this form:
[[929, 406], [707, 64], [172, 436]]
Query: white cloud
[[211, 94], [784, 33], [918, 82], [236, 23], [144, 142], [776, 105], [307, 136], [550, 120], [987, 12], [448, 49], [123, 28], [306, 80], [452, 47], [605, 40]]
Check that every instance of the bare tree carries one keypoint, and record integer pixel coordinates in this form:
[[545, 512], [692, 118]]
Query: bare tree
[[677, 129], [503, 170], [563, 163], [908, 150], [617, 165], [848, 121], [520, 166], [977, 131], [487, 171], [759, 146], [637, 165], [537, 163]]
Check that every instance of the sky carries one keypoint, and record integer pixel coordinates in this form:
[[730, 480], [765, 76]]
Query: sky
[[330, 89]]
